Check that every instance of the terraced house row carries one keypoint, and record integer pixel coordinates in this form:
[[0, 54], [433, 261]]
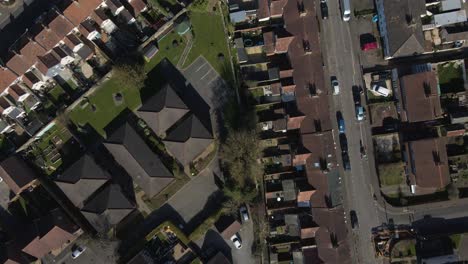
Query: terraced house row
[[68, 46], [278, 48]]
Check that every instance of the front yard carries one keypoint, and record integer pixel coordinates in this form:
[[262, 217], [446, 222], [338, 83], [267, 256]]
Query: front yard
[[209, 40], [391, 173], [171, 46], [100, 108], [450, 77]]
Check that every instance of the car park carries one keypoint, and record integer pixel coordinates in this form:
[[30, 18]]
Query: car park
[[236, 241], [324, 9], [335, 85], [354, 219], [341, 123], [244, 213], [77, 252]]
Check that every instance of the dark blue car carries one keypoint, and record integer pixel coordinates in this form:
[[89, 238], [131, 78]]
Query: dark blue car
[[341, 123]]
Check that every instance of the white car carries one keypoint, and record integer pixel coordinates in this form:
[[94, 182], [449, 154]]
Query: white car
[[77, 252], [360, 113], [336, 86], [236, 241], [381, 90], [244, 214]]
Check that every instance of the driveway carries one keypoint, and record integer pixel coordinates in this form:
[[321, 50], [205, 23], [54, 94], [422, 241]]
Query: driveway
[[96, 252], [212, 242], [194, 197]]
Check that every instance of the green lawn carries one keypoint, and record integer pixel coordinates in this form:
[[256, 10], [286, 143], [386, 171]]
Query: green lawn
[[456, 240], [450, 77], [391, 174], [167, 50], [106, 107], [209, 38], [56, 92]]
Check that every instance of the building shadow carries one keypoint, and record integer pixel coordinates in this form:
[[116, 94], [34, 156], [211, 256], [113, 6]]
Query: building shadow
[[214, 243]]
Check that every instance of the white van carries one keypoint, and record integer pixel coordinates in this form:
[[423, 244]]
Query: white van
[[346, 9]]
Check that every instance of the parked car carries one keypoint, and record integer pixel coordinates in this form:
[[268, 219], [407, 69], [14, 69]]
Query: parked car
[[362, 149], [78, 251], [324, 9], [341, 123], [236, 241], [360, 113], [344, 143], [354, 219], [357, 91], [244, 213], [346, 163], [381, 90], [335, 85]]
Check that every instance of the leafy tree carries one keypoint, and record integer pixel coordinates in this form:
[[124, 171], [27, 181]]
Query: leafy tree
[[240, 153], [130, 75]]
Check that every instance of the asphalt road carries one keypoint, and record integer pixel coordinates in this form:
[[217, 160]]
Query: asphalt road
[[341, 60]]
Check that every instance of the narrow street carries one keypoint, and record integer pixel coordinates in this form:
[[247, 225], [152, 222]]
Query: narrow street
[[341, 61]]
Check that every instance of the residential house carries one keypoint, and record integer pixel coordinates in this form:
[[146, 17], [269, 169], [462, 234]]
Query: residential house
[[50, 232], [135, 156], [400, 27], [17, 174], [89, 188], [107, 208], [163, 110], [227, 226], [427, 164], [420, 95], [136, 7], [81, 179]]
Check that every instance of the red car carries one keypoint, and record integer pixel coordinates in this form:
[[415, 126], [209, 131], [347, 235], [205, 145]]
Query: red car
[[369, 46]]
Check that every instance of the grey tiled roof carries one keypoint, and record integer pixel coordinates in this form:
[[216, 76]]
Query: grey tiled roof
[[140, 162]]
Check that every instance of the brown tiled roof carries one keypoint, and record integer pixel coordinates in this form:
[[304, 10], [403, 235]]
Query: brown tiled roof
[[17, 64], [300, 159], [295, 122], [308, 68], [77, 11], [428, 163], [99, 16], [263, 10], [305, 195], [322, 149], [276, 7], [276, 88], [47, 38], [282, 44], [308, 232], [331, 222], [61, 26], [137, 6], [288, 89], [16, 173], [269, 42], [286, 73], [17, 89], [46, 62], [29, 78], [227, 226], [420, 96], [7, 77], [71, 41]]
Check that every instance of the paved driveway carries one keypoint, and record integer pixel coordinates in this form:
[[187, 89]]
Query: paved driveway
[[96, 252], [213, 242], [195, 195]]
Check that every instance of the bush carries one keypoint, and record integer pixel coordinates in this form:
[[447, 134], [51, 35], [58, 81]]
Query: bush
[[207, 224]]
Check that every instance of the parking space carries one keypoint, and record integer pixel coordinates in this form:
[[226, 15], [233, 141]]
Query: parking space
[[207, 82], [195, 195], [97, 251], [213, 242]]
